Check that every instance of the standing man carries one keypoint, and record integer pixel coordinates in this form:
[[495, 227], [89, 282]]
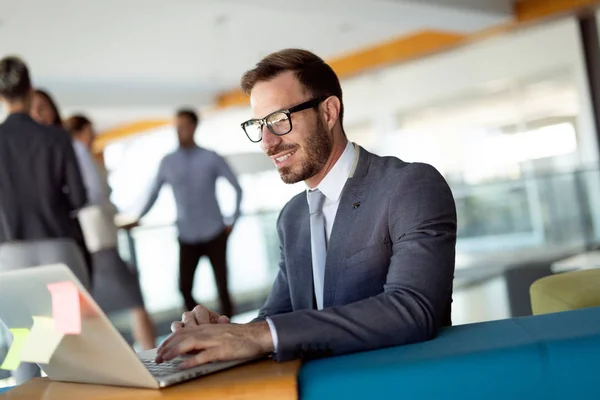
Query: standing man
[[192, 172], [367, 251]]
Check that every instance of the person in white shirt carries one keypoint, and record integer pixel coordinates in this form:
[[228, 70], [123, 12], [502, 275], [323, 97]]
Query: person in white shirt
[[116, 286]]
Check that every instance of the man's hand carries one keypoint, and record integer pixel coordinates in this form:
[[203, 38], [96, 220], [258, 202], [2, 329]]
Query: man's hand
[[217, 342], [200, 315]]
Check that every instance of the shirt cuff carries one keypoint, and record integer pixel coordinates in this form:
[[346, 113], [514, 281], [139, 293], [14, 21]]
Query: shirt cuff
[[273, 334]]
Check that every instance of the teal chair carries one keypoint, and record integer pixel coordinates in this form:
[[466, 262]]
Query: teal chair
[[552, 356]]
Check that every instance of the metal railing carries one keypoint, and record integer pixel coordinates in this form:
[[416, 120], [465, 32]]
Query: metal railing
[[529, 214]]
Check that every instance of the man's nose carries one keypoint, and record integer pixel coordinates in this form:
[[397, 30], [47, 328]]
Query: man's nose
[[269, 139]]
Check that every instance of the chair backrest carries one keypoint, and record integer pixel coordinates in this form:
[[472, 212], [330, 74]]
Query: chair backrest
[[566, 291], [35, 253]]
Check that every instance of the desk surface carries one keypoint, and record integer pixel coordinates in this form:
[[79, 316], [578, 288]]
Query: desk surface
[[260, 380]]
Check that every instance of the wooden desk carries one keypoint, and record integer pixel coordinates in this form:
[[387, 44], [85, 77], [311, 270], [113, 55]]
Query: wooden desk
[[260, 380]]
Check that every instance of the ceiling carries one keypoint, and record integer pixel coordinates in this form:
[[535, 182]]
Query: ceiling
[[122, 60]]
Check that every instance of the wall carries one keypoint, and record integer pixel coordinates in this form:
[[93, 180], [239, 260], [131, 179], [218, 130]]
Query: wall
[[374, 100], [519, 55]]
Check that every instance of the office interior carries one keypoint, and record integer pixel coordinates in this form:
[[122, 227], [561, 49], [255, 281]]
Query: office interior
[[509, 117]]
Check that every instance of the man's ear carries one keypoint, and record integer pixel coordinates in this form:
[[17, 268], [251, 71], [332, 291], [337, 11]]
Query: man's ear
[[331, 107]]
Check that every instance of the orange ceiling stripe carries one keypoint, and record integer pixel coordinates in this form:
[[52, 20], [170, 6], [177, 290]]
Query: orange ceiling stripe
[[420, 44], [395, 51], [402, 49], [532, 10], [123, 131]]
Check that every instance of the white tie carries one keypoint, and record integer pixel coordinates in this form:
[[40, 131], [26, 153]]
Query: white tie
[[318, 242]]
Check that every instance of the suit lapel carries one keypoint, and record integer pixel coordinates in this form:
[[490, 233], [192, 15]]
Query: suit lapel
[[349, 209]]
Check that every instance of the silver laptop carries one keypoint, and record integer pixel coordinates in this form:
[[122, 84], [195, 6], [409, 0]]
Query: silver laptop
[[99, 354]]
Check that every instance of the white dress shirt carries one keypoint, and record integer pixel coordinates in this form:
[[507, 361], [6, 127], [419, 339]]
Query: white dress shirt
[[98, 191], [331, 186]]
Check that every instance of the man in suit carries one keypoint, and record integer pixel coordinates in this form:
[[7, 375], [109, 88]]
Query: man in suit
[[367, 252]]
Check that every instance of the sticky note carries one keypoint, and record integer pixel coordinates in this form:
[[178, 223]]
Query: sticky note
[[66, 309], [41, 342], [13, 358]]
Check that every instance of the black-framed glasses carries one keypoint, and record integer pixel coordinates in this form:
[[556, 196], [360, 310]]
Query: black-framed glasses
[[279, 122]]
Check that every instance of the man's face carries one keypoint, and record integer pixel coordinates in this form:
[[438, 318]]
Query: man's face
[[303, 152], [185, 130]]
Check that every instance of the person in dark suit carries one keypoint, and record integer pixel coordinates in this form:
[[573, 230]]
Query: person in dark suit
[[367, 252], [41, 190], [40, 183]]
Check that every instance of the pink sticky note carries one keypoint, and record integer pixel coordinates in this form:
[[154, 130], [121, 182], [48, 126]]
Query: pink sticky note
[[66, 310]]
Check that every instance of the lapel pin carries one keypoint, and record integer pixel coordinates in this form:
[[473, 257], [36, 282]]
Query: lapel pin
[[356, 205]]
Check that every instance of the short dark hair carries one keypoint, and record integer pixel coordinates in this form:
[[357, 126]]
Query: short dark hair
[[76, 123], [14, 78], [188, 113], [57, 121], [317, 77]]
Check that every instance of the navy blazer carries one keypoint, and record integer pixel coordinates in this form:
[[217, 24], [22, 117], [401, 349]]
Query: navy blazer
[[41, 187], [389, 268]]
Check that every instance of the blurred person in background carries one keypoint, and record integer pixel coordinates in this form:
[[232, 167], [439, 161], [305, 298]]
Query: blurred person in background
[[116, 285], [41, 189], [192, 172], [41, 169], [44, 109]]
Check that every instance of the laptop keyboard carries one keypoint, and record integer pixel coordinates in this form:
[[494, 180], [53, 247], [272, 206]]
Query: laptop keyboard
[[164, 368]]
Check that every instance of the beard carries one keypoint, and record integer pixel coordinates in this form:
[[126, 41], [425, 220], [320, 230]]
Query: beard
[[317, 150]]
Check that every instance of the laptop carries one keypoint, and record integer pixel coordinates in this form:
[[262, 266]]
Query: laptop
[[99, 354]]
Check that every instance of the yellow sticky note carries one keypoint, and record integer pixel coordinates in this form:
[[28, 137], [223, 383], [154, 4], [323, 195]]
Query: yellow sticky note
[[41, 342], [13, 358]]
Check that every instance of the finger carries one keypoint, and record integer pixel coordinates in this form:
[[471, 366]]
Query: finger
[[188, 318], [169, 343], [205, 316], [176, 326], [218, 319], [173, 338], [187, 345], [204, 357], [202, 315], [160, 349]]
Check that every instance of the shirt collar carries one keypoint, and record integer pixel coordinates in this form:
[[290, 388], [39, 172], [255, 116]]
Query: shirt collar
[[19, 115], [79, 145], [188, 149], [333, 183]]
